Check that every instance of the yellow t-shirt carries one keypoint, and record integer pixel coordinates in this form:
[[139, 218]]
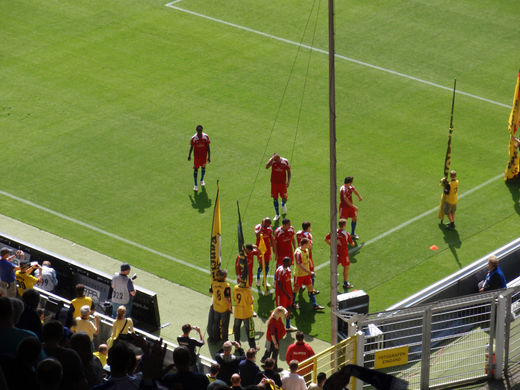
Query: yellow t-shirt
[[219, 296], [451, 198], [78, 303], [25, 281], [305, 261], [243, 298], [102, 358]]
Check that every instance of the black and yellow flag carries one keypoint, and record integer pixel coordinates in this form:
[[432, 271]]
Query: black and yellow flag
[[512, 168], [447, 159], [241, 251], [216, 233]]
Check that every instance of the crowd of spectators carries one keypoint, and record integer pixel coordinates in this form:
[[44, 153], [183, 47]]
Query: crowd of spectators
[[39, 352]]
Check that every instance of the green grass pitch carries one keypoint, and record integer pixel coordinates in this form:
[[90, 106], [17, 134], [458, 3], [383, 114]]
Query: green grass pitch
[[99, 100]]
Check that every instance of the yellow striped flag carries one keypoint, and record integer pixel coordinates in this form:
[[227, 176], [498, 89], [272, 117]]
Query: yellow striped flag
[[513, 168], [216, 233]]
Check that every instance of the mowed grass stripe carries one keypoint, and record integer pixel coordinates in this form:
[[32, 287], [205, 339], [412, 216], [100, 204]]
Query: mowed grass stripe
[[345, 58]]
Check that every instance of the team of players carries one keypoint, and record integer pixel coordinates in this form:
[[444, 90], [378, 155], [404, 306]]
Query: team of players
[[289, 248]]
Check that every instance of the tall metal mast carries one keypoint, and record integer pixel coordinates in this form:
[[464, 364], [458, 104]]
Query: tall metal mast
[[333, 189]]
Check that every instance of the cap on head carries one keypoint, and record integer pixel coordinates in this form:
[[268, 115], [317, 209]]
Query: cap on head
[[25, 264], [125, 267], [84, 310]]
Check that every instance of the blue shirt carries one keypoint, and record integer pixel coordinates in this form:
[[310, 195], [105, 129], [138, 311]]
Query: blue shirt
[[7, 271]]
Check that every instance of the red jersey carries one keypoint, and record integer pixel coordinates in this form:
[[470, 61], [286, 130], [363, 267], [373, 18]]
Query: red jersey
[[250, 261], [299, 352], [267, 233], [278, 171], [283, 275], [283, 240], [343, 239], [275, 327], [200, 145], [345, 192]]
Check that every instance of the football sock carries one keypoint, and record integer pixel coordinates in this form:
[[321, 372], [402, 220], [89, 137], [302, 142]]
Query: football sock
[[276, 207], [195, 172], [284, 201], [312, 278], [287, 322], [353, 225], [313, 299], [202, 173], [258, 272], [294, 298]]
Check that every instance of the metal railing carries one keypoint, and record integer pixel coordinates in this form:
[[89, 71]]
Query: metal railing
[[329, 361], [449, 342]]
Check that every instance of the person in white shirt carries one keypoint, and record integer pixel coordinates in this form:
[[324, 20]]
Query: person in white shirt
[[293, 381], [49, 281]]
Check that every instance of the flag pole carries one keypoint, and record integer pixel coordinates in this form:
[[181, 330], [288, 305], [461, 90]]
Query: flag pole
[[333, 189], [447, 159]]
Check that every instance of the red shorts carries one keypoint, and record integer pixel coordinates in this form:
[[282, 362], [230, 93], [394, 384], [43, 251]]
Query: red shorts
[[300, 281], [344, 261], [282, 300], [278, 190], [347, 212], [199, 162], [267, 258]]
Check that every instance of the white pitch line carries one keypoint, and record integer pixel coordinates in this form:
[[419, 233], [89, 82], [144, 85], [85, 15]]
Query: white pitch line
[[353, 60], [104, 232], [412, 220]]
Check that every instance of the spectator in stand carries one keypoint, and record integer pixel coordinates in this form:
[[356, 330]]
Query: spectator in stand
[[275, 332], [293, 381], [122, 291], [30, 319], [184, 378], [122, 324], [7, 272], [248, 369], [83, 323], [82, 344], [236, 382], [270, 372], [77, 303], [322, 377], [191, 343], [213, 372], [49, 374], [49, 280], [73, 372], [495, 278], [20, 372], [24, 276], [229, 362], [102, 354], [10, 337]]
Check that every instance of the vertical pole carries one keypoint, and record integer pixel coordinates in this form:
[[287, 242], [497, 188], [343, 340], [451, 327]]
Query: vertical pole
[[425, 348], [333, 189], [500, 333]]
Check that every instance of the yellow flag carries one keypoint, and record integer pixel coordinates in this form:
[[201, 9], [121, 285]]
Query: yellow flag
[[262, 248], [216, 232], [513, 168]]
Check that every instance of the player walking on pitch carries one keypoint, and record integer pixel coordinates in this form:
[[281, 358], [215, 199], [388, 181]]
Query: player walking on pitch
[[280, 179], [346, 206], [266, 231], [199, 144], [303, 274], [342, 254]]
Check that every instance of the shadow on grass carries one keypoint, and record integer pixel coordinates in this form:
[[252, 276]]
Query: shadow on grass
[[265, 304], [199, 200], [451, 237], [514, 187]]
